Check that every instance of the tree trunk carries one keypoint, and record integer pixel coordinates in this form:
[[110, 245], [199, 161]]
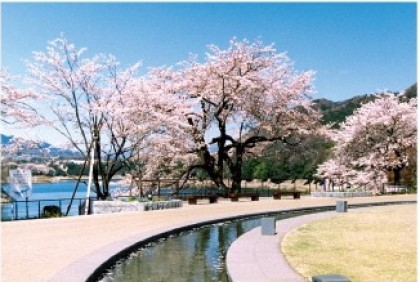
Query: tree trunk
[[105, 187], [99, 194], [397, 175], [235, 167], [236, 185], [236, 172], [398, 168], [218, 180], [140, 186]]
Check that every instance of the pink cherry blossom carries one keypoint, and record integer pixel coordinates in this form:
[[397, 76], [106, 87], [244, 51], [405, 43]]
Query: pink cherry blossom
[[238, 100], [375, 139]]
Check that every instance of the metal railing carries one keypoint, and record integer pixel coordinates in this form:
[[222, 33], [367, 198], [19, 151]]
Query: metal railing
[[262, 192], [34, 209]]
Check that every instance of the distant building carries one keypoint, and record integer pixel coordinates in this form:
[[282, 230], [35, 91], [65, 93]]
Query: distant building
[[75, 161]]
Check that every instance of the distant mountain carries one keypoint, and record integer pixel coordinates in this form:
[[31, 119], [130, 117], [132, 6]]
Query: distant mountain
[[336, 112], [41, 150], [411, 92]]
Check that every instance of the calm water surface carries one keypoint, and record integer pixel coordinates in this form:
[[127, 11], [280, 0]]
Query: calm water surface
[[44, 194], [57, 190], [196, 255]]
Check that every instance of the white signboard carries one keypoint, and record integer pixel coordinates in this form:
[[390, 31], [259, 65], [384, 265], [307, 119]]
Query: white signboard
[[20, 181]]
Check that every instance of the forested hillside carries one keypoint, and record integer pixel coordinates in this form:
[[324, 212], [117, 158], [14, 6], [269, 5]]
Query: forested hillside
[[336, 112], [300, 161]]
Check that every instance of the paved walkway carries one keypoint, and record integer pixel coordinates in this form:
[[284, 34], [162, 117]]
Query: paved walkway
[[70, 249], [256, 257]]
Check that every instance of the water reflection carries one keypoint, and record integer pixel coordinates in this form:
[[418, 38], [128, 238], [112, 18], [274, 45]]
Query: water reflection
[[197, 255]]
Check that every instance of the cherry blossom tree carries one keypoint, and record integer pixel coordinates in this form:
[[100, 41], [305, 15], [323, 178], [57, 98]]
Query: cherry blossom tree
[[15, 106], [17, 146], [141, 115], [336, 171], [375, 139], [237, 101], [76, 95]]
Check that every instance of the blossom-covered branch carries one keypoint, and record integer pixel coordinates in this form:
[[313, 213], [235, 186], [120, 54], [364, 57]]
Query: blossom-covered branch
[[374, 140]]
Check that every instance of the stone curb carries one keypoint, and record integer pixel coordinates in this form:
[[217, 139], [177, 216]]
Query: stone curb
[[70, 249], [256, 257]]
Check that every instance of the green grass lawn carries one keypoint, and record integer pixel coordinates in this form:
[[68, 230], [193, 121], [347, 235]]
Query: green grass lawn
[[373, 244]]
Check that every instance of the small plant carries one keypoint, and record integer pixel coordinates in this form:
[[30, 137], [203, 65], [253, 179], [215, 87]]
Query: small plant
[[157, 199], [51, 211], [133, 199]]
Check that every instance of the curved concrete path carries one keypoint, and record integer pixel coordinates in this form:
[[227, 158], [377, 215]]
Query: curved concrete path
[[70, 249], [256, 257]]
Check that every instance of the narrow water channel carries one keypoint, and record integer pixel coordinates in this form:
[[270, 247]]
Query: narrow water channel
[[195, 255]]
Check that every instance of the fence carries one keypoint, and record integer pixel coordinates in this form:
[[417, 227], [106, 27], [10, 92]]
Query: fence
[[262, 192], [159, 185], [33, 209]]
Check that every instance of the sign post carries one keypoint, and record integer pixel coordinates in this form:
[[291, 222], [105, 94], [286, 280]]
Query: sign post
[[21, 185], [92, 161]]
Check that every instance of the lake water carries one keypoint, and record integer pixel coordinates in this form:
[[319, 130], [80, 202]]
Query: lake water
[[45, 194], [59, 194]]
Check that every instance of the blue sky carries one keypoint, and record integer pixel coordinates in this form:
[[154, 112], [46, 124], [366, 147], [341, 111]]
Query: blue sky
[[354, 48]]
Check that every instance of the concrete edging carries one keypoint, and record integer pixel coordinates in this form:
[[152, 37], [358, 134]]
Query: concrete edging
[[256, 257], [107, 207], [89, 267], [73, 248]]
